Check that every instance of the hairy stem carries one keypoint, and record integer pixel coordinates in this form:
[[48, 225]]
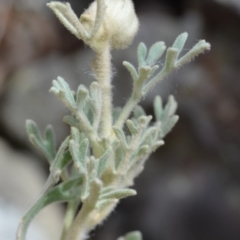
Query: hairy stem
[[129, 106], [152, 83], [101, 7], [102, 70], [87, 219], [69, 217], [79, 229], [136, 97]]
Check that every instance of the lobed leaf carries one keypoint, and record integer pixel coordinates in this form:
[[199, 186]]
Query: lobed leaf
[[103, 162], [135, 235], [118, 194], [180, 42], [158, 108], [141, 54], [132, 70], [66, 191], [155, 52], [47, 145], [138, 111]]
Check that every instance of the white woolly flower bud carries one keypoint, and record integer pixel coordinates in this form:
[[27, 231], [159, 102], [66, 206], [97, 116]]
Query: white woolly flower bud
[[119, 26]]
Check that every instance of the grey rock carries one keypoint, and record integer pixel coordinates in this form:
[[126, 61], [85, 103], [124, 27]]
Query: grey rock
[[21, 181]]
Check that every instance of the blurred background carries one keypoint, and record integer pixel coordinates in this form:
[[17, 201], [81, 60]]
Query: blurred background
[[190, 189]]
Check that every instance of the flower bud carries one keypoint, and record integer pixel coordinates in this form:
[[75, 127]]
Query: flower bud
[[119, 26]]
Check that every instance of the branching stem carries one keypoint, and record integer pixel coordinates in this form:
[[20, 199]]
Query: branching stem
[[129, 106]]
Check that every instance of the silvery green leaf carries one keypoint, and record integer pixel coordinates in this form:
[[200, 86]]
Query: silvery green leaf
[[61, 89], [79, 149], [172, 63], [143, 121], [92, 163], [62, 159], [156, 145], [169, 109], [103, 162], [83, 150], [131, 70], [138, 111], [169, 125], [68, 18], [66, 191], [199, 48], [100, 13], [34, 134], [79, 152], [121, 137], [158, 108], [41, 144], [89, 112], [150, 135], [102, 204], [107, 189], [155, 52], [180, 42], [75, 135], [71, 120], [62, 162], [95, 93], [143, 150], [200, 44], [82, 94], [141, 53], [56, 85], [135, 235], [66, 89], [118, 194], [64, 20], [119, 155], [62, 148], [50, 141], [132, 127], [95, 105]]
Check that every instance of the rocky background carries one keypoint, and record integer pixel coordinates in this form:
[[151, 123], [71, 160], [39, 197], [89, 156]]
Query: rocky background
[[190, 189]]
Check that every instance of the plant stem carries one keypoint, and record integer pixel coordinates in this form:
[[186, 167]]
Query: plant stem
[[135, 98], [129, 106], [102, 69], [87, 219], [69, 216], [78, 229]]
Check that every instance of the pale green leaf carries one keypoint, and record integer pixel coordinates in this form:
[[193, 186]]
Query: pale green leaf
[[141, 53], [155, 52]]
